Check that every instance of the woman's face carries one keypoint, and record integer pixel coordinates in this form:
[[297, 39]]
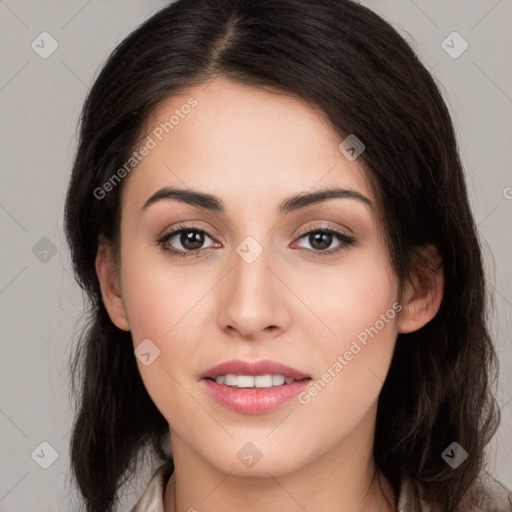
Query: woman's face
[[260, 289]]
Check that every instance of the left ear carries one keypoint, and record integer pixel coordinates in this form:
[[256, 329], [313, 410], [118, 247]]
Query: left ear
[[422, 297]]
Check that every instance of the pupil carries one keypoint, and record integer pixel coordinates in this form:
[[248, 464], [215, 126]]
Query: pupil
[[192, 239], [317, 239]]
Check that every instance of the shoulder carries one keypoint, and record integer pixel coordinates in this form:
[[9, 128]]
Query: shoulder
[[152, 499]]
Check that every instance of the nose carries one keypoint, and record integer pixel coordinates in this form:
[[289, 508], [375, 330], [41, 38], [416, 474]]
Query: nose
[[253, 299]]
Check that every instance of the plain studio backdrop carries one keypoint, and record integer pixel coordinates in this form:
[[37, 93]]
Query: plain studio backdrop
[[42, 89]]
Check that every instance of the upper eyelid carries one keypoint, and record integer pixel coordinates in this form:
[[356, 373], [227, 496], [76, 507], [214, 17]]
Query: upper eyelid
[[318, 227], [323, 227], [178, 229]]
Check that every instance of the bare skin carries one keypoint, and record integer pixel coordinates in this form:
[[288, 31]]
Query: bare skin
[[253, 149]]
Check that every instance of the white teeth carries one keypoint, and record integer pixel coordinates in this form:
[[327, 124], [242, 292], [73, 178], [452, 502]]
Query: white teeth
[[277, 380], [249, 381], [245, 381], [231, 380], [263, 381]]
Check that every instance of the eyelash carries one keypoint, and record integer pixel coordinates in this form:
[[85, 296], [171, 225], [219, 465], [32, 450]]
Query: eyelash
[[345, 240]]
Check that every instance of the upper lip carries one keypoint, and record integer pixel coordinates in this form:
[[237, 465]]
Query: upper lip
[[265, 367]]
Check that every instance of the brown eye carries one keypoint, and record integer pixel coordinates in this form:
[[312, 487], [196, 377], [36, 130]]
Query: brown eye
[[190, 239], [320, 239]]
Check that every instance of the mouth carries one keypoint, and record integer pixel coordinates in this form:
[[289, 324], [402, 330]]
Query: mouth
[[253, 387]]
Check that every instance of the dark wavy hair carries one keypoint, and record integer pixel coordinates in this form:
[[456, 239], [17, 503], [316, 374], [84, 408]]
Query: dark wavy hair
[[345, 59]]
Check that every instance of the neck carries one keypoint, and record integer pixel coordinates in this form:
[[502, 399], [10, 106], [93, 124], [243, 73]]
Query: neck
[[343, 478], [373, 499]]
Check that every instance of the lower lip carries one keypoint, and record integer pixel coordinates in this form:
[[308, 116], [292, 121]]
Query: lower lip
[[254, 400]]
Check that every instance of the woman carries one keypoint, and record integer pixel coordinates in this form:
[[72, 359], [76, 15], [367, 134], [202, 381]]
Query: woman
[[269, 216]]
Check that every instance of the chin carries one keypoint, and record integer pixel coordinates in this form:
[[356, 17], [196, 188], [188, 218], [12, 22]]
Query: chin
[[248, 460]]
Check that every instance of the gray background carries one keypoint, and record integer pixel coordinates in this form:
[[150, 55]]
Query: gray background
[[40, 100]]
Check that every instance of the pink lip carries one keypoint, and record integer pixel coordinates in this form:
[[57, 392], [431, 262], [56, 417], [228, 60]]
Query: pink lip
[[254, 400], [265, 367]]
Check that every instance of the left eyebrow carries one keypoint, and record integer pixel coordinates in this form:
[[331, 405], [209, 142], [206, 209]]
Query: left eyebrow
[[295, 202]]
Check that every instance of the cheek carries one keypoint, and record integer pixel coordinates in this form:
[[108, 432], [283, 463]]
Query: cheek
[[353, 297], [159, 297], [359, 306], [160, 307], [164, 305]]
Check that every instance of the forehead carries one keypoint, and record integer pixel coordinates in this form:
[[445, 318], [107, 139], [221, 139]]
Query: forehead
[[250, 144]]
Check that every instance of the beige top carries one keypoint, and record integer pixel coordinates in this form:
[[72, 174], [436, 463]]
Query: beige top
[[152, 500]]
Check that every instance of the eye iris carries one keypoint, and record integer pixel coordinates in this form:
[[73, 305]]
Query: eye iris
[[192, 240], [320, 240]]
